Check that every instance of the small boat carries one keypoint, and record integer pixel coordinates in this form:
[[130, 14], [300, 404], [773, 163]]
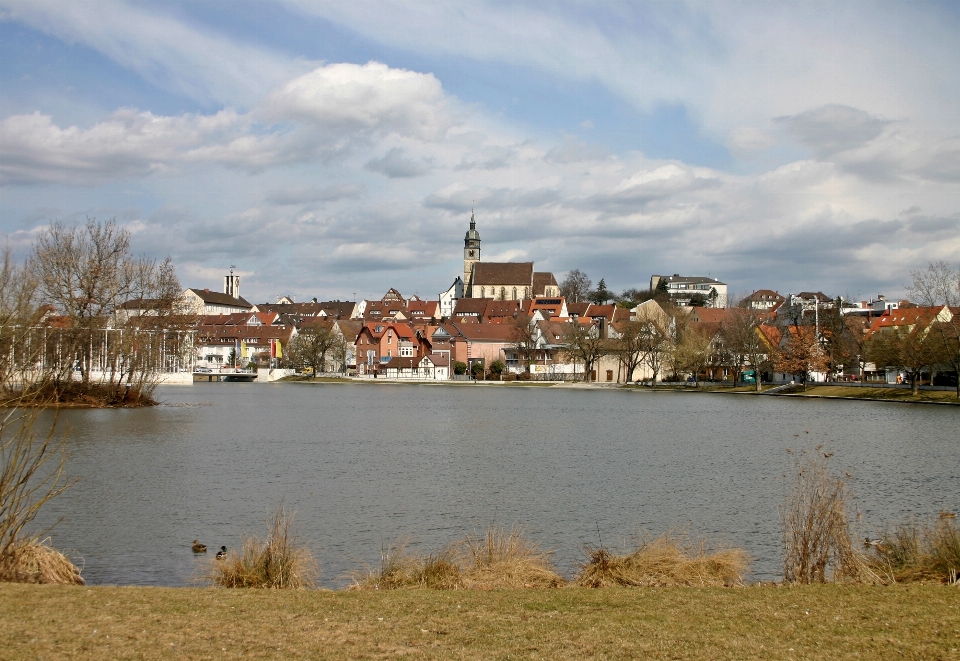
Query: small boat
[[222, 553], [198, 547]]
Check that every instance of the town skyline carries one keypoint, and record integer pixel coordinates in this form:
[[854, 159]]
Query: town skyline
[[336, 149]]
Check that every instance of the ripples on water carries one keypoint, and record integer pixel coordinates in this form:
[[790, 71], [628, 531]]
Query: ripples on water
[[364, 464]]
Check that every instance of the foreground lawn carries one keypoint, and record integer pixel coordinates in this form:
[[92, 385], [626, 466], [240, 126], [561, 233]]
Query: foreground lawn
[[816, 622]]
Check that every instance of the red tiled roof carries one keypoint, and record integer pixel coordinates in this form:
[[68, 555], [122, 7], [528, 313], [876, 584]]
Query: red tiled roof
[[503, 273]]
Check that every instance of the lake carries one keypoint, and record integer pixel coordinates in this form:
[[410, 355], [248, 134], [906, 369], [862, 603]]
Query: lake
[[364, 464]]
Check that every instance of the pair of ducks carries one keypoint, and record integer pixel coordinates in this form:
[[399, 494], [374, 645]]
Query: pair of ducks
[[202, 548]]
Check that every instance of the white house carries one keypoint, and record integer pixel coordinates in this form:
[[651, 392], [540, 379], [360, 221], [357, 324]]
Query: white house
[[683, 288]]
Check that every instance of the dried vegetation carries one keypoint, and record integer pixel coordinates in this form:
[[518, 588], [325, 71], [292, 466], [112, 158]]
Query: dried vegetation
[[668, 560], [911, 552], [278, 562]]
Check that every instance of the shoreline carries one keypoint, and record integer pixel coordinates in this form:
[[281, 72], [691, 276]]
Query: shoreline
[[948, 399]]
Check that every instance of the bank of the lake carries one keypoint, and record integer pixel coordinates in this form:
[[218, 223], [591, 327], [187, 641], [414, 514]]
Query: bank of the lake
[[758, 622]]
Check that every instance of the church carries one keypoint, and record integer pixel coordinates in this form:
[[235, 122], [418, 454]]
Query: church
[[503, 281]]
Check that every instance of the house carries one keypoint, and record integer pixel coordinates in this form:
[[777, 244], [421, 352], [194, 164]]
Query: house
[[378, 343], [241, 338], [433, 367], [763, 299], [206, 302], [448, 299], [691, 290]]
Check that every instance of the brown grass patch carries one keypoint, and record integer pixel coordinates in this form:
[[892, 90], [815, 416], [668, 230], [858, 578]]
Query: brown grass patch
[[668, 560], [496, 559], [278, 562], [911, 552], [401, 568], [31, 561]]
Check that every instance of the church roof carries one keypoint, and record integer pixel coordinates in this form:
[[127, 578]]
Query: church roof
[[541, 281], [503, 273]]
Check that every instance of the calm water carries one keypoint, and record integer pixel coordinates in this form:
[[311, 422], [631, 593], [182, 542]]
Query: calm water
[[365, 464]]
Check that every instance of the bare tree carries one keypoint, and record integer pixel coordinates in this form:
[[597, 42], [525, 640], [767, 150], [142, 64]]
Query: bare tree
[[935, 286], [525, 340], [746, 343], [912, 350], [87, 275], [693, 351], [576, 286], [584, 343], [312, 344]]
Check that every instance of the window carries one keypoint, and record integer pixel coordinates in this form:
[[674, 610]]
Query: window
[[503, 293], [406, 352], [483, 293], [514, 293]]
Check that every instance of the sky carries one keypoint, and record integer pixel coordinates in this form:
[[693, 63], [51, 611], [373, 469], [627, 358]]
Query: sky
[[335, 149]]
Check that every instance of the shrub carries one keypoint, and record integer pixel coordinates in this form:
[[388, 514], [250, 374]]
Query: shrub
[[816, 534], [668, 560], [459, 368], [278, 562], [477, 370], [497, 367]]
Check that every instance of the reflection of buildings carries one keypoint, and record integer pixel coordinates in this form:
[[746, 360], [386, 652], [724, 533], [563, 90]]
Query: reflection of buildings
[[503, 281]]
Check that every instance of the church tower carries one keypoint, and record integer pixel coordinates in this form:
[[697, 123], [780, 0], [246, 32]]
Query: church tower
[[471, 255]]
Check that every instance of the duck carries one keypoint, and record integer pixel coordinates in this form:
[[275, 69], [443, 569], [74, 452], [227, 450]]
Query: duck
[[947, 514], [222, 553], [198, 547]]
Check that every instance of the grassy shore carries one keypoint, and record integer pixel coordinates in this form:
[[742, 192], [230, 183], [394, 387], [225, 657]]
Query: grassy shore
[[884, 394], [758, 622]]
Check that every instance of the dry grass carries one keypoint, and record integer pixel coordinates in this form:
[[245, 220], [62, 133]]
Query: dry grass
[[890, 394], [836, 622], [401, 568], [910, 552], [31, 561], [499, 558], [668, 560], [817, 545], [278, 562]]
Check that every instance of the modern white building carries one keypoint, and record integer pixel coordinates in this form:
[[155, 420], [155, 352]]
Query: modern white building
[[683, 288]]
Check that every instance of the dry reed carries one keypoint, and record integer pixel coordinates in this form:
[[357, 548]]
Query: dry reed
[[668, 560], [501, 558], [910, 552], [401, 568], [279, 562], [31, 561], [497, 558], [818, 547]]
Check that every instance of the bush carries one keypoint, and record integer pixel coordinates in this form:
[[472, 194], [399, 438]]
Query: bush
[[278, 562], [459, 368], [497, 367], [30, 561], [816, 534], [477, 370], [668, 560], [400, 568]]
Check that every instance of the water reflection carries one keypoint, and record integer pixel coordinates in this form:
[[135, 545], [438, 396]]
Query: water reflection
[[364, 464]]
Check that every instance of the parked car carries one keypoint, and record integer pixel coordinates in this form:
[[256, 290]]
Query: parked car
[[201, 368]]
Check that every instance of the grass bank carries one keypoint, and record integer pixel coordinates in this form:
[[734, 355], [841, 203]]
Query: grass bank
[[883, 394], [759, 622]]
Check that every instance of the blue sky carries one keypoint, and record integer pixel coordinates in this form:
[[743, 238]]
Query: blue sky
[[332, 148]]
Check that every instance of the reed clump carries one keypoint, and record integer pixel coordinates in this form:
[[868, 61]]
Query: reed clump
[[817, 544], [497, 558], [400, 568], [32, 561], [502, 558], [668, 560], [278, 562], [911, 552]]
